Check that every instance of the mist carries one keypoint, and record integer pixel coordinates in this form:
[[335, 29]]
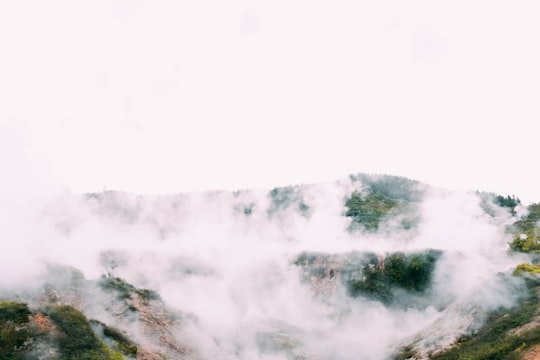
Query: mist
[[228, 261]]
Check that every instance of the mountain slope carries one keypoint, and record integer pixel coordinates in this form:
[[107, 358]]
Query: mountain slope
[[370, 267]]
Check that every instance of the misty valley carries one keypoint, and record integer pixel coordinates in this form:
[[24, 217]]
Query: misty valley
[[369, 267]]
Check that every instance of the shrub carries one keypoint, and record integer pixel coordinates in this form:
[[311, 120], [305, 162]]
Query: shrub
[[15, 334], [13, 311], [119, 340], [125, 289], [77, 340], [527, 269]]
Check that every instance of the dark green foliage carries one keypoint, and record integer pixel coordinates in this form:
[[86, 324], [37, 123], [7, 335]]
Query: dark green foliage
[[371, 276], [369, 210], [494, 341], [411, 272], [13, 341], [489, 200], [374, 285], [15, 334], [507, 201], [12, 311], [419, 270], [395, 268]]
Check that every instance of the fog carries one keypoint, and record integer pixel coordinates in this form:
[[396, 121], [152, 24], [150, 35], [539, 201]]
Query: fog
[[227, 261]]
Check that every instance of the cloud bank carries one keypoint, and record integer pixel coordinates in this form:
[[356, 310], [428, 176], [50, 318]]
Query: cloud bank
[[228, 260]]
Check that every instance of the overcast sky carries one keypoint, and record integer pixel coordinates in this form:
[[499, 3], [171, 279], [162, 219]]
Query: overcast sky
[[170, 96]]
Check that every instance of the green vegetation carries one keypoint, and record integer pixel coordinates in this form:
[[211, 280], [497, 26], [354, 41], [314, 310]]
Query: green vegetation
[[508, 201], [393, 187], [77, 340], [116, 338], [15, 312], [381, 198], [490, 200], [411, 272], [369, 210], [371, 276], [125, 290], [527, 269], [124, 344], [15, 334], [527, 242], [494, 340], [527, 233]]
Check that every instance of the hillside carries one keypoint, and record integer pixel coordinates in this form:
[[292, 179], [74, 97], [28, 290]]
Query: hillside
[[370, 267]]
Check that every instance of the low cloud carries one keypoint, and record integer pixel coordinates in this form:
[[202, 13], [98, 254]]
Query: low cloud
[[227, 259]]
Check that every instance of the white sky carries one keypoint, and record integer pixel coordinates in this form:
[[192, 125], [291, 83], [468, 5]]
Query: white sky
[[169, 96]]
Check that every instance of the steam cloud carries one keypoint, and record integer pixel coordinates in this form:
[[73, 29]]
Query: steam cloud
[[228, 260]]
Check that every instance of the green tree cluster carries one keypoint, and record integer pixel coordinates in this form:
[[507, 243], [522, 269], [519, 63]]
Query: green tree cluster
[[411, 272], [507, 201]]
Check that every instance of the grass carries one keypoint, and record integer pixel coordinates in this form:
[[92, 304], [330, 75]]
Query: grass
[[77, 340], [527, 269], [119, 340]]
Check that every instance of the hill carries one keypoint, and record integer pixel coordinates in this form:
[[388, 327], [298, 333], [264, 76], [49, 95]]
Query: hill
[[370, 267]]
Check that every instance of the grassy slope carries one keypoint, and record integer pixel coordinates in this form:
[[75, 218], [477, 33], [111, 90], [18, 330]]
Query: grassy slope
[[496, 340]]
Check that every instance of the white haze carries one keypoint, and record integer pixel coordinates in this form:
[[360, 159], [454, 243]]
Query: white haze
[[161, 97], [234, 274], [165, 96]]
